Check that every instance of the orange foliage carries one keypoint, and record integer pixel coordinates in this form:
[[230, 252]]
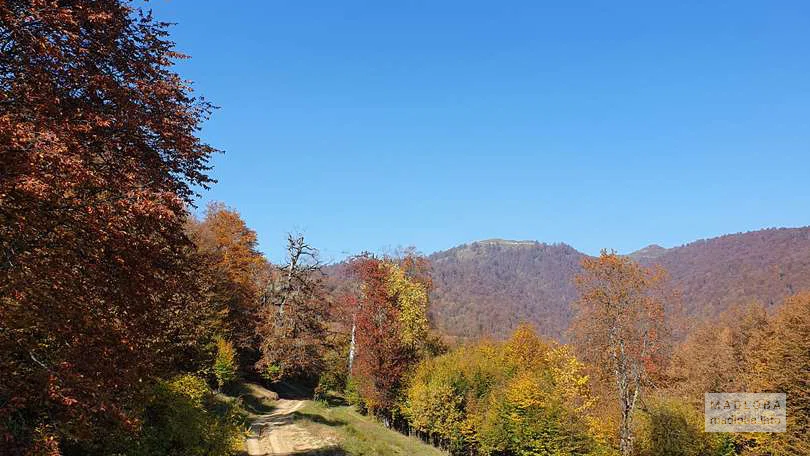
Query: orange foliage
[[234, 270], [620, 328]]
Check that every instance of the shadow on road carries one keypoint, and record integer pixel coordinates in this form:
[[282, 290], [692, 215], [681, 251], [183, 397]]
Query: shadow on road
[[255, 399], [287, 390], [317, 419], [328, 451]]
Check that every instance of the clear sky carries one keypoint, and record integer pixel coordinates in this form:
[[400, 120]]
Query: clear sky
[[373, 125]]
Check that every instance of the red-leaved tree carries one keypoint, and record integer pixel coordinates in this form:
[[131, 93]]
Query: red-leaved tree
[[389, 327], [99, 155]]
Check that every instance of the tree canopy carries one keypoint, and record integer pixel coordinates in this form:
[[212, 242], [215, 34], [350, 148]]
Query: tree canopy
[[100, 156]]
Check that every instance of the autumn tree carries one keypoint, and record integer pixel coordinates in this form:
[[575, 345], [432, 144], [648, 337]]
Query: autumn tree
[[225, 366], [779, 361], [99, 155], [292, 322], [524, 396], [389, 326], [620, 328], [742, 349], [543, 405], [714, 356], [233, 274]]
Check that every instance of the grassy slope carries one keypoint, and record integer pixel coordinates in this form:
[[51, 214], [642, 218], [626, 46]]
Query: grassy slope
[[359, 435]]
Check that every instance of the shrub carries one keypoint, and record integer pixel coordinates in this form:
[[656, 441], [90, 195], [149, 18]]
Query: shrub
[[353, 396], [180, 421], [334, 374], [225, 365], [272, 373], [673, 427]]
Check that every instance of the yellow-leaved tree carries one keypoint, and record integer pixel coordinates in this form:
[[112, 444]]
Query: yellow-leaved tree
[[412, 299], [525, 396]]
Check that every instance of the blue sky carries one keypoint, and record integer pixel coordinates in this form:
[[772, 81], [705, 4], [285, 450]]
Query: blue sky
[[373, 125]]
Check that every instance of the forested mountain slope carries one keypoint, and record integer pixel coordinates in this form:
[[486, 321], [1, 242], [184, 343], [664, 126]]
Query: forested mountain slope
[[765, 266], [488, 287]]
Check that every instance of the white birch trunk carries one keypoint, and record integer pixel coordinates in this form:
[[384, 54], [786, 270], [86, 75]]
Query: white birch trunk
[[351, 348]]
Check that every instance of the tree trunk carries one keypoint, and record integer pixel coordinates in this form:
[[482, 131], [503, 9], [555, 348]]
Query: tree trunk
[[351, 348], [625, 435]]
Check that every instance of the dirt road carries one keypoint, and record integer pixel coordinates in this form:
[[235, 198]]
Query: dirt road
[[276, 434]]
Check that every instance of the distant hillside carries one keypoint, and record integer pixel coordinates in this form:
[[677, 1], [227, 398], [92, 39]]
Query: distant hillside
[[651, 252], [488, 287], [764, 265]]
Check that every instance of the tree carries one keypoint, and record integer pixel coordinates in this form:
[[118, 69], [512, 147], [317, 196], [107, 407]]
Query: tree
[[389, 326], [411, 295], [714, 357], [184, 417], [742, 349], [620, 328], [525, 396], [225, 366], [99, 159], [672, 427], [543, 405], [780, 362], [292, 322], [233, 270]]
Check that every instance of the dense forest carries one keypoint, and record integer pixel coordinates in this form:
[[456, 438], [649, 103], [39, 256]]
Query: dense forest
[[129, 317], [489, 287]]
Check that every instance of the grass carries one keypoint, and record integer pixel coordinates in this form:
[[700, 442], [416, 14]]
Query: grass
[[359, 435]]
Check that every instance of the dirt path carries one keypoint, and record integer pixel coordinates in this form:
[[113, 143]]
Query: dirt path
[[276, 434]]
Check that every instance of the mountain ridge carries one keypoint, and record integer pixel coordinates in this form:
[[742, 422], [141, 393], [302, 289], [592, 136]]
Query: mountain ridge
[[488, 287]]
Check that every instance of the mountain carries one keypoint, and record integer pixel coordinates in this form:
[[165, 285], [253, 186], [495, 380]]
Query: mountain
[[651, 252], [763, 266], [488, 287]]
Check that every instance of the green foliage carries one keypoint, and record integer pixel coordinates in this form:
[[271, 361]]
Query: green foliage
[[726, 446], [272, 372], [225, 364], [192, 389], [183, 418], [358, 435], [335, 374], [354, 397], [672, 427]]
